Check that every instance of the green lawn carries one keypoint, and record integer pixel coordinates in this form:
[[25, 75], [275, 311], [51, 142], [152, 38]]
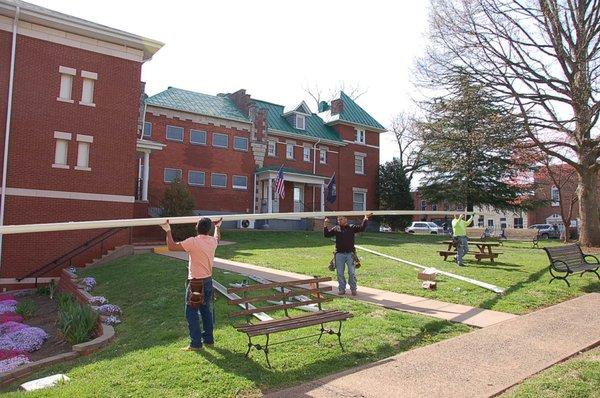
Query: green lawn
[[576, 378], [521, 270], [145, 359]]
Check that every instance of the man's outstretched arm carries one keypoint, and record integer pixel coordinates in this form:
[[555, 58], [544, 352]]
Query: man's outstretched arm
[[328, 233], [171, 244], [217, 234]]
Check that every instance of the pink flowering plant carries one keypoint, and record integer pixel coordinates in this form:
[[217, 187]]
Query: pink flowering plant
[[109, 309], [9, 364], [98, 300], [24, 339], [89, 283]]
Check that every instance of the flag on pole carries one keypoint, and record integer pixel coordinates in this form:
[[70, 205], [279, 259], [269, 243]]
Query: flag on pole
[[331, 190], [279, 183]]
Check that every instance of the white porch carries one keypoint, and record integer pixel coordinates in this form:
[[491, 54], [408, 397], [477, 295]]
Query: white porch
[[144, 149]]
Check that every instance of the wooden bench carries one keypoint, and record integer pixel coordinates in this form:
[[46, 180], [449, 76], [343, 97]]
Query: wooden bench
[[284, 292], [570, 260], [526, 234], [478, 255]]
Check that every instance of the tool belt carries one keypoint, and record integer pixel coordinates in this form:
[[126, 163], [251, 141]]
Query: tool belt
[[195, 296], [354, 258]]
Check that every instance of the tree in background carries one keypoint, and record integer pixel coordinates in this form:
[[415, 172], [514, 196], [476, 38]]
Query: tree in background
[[468, 147], [393, 190], [405, 130], [178, 202], [542, 58]]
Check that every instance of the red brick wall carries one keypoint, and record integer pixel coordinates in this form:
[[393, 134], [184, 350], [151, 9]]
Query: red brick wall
[[185, 156], [5, 47]]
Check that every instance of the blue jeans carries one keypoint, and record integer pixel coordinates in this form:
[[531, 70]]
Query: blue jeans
[[193, 315], [462, 247], [341, 259]]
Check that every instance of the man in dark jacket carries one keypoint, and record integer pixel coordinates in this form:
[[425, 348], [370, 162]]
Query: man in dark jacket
[[344, 249]]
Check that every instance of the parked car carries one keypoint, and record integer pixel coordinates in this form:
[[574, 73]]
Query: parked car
[[546, 231], [384, 228], [423, 227]]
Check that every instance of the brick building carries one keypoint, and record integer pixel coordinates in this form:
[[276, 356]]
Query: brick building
[[74, 96]]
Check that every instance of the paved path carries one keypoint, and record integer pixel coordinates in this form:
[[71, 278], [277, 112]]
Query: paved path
[[402, 302], [482, 363]]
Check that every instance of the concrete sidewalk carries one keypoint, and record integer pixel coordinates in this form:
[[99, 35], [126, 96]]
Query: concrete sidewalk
[[477, 317], [482, 363]]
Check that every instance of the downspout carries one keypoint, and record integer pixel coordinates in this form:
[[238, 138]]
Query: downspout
[[254, 196], [143, 120], [11, 79], [314, 170]]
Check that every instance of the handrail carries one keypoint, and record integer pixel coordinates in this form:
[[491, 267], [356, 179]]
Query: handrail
[[71, 254]]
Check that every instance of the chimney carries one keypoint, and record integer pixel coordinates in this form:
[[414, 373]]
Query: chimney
[[241, 100], [260, 124], [337, 106]]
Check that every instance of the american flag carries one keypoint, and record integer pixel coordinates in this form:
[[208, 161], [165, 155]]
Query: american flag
[[279, 183]]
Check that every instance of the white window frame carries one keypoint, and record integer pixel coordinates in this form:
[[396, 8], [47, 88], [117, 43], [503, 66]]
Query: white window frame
[[89, 80], [306, 153], [174, 139], [362, 157], [144, 135], [67, 76], [220, 146], [218, 186], [303, 119], [84, 143], [554, 203], [193, 184], [323, 155], [363, 192], [171, 168], [198, 131], [245, 187], [423, 205], [241, 138], [62, 140], [273, 146], [361, 136], [289, 145]]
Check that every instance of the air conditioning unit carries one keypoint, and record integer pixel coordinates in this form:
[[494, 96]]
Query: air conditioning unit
[[246, 224]]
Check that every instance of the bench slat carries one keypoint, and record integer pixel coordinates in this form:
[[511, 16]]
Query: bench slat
[[248, 326], [261, 286], [297, 323], [278, 307], [276, 296]]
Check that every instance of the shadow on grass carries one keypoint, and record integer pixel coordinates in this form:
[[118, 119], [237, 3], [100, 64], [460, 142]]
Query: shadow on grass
[[514, 288]]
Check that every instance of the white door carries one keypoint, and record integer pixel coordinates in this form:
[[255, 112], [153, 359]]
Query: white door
[[298, 198]]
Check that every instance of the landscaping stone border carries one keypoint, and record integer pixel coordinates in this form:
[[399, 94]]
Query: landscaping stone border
[[104, 335]]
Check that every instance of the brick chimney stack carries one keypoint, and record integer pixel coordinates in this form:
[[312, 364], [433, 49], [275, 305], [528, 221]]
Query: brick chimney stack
[[337, 106], [241, 100], [260, 124]]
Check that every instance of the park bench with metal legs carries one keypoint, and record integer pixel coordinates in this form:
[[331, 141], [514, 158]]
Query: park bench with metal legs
[[569, 260], [284, 292]]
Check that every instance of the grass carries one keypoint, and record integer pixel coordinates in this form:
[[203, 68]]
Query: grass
[[521, 270], [576, 378], [145, 359]]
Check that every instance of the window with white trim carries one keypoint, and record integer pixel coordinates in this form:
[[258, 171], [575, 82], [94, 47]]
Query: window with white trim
[[306, 153], [197, 137], [218, 180], [359, 164], [240, 182], [174, 133], [300, 122], [87, 92], [555, 196], [171, 175], [434, 207], [360, 136], [323, 156], [147, 130], [289, 150], [491, 222], [66, 83], [240, 143], [83, 152], [359, 201], [220, 140], [272, 148], [62, 150], [196, 178]]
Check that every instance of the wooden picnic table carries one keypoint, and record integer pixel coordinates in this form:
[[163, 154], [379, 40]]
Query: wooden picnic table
[[484, 249]]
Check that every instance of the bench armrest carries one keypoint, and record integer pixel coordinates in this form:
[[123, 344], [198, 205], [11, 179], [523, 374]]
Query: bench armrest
[[560, 261], [585, 258]]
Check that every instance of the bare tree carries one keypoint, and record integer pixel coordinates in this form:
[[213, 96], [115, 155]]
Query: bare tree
[[542, 57], [318, 94], [404, 127]]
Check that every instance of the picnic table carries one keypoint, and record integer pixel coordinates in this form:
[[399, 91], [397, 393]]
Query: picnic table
[[484, 249]]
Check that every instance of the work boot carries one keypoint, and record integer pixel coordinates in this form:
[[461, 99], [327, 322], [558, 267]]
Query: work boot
[[342, 292]]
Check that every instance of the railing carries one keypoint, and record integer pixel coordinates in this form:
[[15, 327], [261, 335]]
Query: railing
[[68, 257], [139, 188]]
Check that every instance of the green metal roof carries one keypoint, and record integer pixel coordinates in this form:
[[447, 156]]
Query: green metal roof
[[315, 126], [203, 104], [352, 113], [287, 170]]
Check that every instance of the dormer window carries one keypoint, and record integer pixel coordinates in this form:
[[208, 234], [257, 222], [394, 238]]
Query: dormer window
[[301, 122]]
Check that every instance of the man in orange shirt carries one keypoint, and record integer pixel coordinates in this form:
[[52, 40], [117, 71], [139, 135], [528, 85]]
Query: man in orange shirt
[[201, 252]]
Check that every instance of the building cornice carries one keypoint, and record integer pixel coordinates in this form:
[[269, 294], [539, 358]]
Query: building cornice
[[198, 118], [304, 137]]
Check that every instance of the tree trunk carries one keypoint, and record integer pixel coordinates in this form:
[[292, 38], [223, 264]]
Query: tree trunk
[[589, 232]]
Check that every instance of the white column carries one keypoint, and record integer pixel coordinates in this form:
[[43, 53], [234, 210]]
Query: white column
[[322, 197], [270, 197], [146, 176]]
